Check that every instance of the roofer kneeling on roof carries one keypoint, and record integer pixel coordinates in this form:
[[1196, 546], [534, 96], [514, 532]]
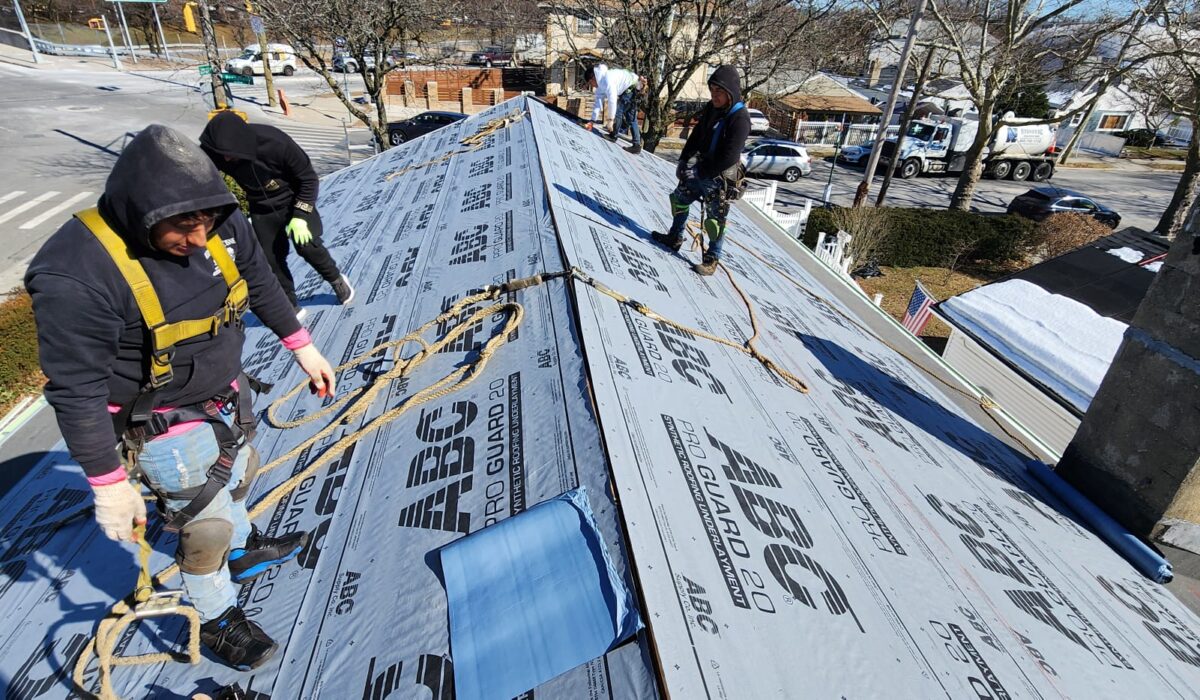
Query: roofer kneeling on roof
[[281, 189], [153, 379], [716, 177]]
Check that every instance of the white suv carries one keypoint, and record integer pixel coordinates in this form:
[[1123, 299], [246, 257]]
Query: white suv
[[282, 57], [773, 157]]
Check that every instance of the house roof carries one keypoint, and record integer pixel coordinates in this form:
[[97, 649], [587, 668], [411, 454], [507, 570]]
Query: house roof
[[829, 103], [1045, 321], [775, 538]]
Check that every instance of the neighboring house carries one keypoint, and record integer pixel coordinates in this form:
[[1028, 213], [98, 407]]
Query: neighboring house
[[883, 58], [575, 41], [820, 98], [1040, 341]]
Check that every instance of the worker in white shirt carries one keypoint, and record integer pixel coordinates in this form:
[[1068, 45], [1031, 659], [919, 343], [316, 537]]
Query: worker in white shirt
[[617, 92]]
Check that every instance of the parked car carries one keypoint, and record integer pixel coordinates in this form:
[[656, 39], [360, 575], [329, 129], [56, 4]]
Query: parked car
[[774, 157], [491, 56], [857, 155], [1040, 202], [282, 58], [425, 122], [345, 63], [759, 124]]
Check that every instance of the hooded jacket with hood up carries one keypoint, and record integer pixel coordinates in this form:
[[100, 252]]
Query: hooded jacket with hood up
[[728, 151], [93, 344], [269, 166]]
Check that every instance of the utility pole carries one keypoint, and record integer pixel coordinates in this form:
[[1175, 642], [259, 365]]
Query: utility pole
[[210, 53], [914, 24], [256, 24], [37, 58], [163, 37], [909, 111], [125, 31]]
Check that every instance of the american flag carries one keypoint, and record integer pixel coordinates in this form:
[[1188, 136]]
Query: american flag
[[917, 313]]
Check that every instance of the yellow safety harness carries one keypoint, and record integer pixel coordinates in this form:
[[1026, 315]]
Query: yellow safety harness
[[164, 336]]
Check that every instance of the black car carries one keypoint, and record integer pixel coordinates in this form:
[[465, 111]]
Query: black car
[[423, 123], [1040, 202]]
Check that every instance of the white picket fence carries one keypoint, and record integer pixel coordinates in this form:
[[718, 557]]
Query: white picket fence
[[764, 200], [833, 250]]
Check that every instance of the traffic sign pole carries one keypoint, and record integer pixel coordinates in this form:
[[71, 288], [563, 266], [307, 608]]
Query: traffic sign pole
[[37, 58], [162, 37], [125, 31]]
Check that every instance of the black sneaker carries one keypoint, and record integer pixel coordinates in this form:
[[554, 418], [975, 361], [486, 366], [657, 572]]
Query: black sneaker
[[707, 266], [634, 149], [666, 240], [611, 137], [237, 641], [261, 553], [343, 290]]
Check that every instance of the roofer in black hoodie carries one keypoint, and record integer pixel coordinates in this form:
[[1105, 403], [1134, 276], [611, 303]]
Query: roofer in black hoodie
[[716, 143], [167, 224], [281, 189]]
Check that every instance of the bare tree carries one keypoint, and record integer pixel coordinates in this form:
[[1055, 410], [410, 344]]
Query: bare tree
[[369, 33], [668, 41], [1000, 44]]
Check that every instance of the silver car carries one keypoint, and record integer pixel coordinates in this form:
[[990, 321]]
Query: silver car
[[784, 158]]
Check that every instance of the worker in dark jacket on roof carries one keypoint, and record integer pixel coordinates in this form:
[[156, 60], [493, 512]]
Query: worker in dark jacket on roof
[[167, 224], [716, 145], [281, 188]]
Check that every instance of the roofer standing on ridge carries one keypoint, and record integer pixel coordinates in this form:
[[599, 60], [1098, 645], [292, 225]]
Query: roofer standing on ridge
[[616, 101], [153, 381], [281, 188], [716, 142]]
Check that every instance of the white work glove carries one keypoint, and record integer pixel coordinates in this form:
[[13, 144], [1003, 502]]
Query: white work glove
[[118, 507], [318, 369]]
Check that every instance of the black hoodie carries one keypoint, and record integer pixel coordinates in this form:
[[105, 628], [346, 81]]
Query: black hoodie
[[91, 339], [272, 168], [728, 151]]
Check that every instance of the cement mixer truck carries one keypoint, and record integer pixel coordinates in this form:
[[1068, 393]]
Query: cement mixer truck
[[940, 145]]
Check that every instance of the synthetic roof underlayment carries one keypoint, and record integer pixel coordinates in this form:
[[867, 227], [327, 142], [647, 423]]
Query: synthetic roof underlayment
[[863, 540]]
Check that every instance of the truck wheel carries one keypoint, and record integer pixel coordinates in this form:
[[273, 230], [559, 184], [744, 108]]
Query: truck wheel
[[1001, 170], [1021, 171], [910, 169], [792, 174], [1042, 172], [288, 70]]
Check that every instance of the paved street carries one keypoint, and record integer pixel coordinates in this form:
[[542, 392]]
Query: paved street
[[1139, 194], [61, 130]]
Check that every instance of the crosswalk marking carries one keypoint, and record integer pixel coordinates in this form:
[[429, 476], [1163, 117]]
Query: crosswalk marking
[[11, 195], [54, 210], [27, 205]]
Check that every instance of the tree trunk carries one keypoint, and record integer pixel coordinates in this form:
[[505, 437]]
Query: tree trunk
[[658, 114], [964, 191], [1185, 192]]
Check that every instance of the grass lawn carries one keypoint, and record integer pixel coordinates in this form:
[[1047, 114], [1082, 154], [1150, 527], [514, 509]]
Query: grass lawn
[[1156, 153], [897, 284]]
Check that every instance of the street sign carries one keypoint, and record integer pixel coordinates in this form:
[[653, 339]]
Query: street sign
[[235, 78], [205, 69], [256, 25]]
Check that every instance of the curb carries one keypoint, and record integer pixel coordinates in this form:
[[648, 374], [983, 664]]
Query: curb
[[20, 414]]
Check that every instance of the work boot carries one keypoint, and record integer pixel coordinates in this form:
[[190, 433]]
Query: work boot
[[237, 641], [343, 290], [611, 137], [301, 312], [634, 149], [261, 553], [666, 240], [707, 266]]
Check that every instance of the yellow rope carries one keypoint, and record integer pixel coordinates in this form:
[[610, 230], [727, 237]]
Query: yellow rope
[[357, 403], [475, 141]]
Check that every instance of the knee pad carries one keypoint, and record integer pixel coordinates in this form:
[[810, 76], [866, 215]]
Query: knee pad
[[714, 228], [203, 546], [678, 205], [253, 462]]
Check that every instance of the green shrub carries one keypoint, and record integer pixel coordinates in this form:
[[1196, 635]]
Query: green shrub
[[20, 373], [236, 189], [939, 237]]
